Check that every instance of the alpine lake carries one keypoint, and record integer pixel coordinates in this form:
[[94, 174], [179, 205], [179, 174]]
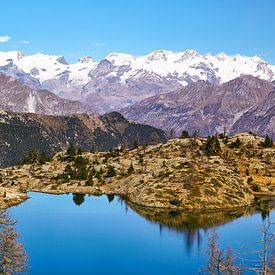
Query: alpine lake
[[83, 234]]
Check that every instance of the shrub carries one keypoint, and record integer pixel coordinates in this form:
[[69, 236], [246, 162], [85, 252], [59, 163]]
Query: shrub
[[255, 187], [212, 146], [98, 176], [131, 169], [90, 181], [69, 171], [36, 156], [175, 201], [184, 134], [72, 150], [225, 140], [236, 144], [135, 143], [268, 143], [80, 162], [111, 172]]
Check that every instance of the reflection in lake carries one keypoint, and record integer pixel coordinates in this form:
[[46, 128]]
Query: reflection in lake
[[13, 258], [191, 224], [78, 198]]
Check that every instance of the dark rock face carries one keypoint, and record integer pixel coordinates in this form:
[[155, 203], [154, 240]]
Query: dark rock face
[[16, 97], [21, 133], [243, 104]]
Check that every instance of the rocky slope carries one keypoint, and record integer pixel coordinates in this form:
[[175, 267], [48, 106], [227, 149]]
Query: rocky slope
[[22, 133], [242, 104], [16, 97], [10, 197], [120, 80], [178, 174]]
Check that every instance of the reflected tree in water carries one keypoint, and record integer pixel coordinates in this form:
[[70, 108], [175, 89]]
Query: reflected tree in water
[[110, 197], [13, 258], [78, 198]]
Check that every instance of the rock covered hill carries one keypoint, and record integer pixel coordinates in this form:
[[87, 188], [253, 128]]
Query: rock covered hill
[[179, 174], [22, 133], [120, 80], [242, 104], [16, 97]]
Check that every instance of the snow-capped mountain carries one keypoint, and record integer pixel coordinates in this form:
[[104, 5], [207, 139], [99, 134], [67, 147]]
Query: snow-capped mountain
[[121, 80]]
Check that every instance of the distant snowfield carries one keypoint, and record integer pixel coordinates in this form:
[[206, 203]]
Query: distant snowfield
[[163, 63], [45, 67]]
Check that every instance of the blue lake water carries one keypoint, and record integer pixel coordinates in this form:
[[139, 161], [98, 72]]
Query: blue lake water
[[102, 237]]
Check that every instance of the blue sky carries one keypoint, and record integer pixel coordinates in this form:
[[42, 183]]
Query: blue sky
[[75, 28]]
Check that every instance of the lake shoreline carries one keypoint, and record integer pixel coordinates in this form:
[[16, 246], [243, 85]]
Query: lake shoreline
[[24, 196]]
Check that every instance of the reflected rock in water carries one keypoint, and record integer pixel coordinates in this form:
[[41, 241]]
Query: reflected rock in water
[[78, 198], [190, 224], [13, 258]]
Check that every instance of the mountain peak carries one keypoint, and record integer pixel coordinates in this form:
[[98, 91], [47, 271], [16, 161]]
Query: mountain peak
[[86, 59], [190, 53], [159, 55], [62, 60], [222, 56]]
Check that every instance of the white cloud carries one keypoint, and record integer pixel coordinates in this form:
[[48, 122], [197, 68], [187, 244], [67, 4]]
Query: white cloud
[[4, 38], [25, 42]]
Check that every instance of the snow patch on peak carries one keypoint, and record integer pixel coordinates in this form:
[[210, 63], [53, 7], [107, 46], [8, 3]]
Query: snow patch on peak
[[120, 59], [12, 56], [222, 56]]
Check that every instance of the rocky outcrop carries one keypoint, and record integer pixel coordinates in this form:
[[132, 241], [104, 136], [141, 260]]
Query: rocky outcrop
[[10, 197]]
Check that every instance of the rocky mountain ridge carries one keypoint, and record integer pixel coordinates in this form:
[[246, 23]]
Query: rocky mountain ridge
[[17, 97], [242, 104]]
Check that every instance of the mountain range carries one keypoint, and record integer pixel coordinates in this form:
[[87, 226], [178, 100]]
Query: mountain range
[[120, 80], [168, 90]]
